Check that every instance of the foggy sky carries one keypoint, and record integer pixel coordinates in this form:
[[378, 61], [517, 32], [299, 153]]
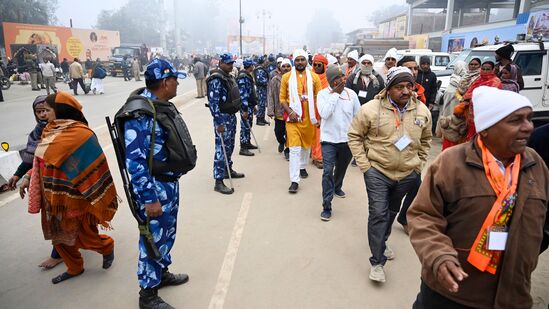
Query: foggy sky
[[290, 16]]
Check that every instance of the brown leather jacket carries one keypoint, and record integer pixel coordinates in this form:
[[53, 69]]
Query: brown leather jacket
[[448, 212]]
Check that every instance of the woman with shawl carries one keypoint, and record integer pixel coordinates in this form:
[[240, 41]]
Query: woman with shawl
[[451, 126], [42, 114], [509, 78], [72, 187], [488, 78]]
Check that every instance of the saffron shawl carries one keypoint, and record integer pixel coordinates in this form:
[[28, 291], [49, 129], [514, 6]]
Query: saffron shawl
[[295, 98], [76, 183]]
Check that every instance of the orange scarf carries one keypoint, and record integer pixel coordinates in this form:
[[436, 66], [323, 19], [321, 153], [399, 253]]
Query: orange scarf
[[500, 214]]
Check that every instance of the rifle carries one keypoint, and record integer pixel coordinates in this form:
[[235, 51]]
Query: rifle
[[142, 224]]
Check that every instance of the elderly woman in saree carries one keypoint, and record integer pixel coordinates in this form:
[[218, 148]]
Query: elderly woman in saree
[[72, 187], [509, 77]]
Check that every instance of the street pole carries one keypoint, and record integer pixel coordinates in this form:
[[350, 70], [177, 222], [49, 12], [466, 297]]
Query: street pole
[[162, 27], [177, 31], [240, 22], [264, 32]]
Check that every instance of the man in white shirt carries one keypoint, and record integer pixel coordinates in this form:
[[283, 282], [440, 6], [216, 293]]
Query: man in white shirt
[[48, 72], [337, 105]]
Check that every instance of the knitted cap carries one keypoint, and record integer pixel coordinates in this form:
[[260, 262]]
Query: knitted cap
[[493, 104], [505, 51]]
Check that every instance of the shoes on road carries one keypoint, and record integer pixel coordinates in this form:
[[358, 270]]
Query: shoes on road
[[222, 188], [326, 215], [377, 273], [303, 173], [261, 122], [248, 146], [389, 253], [246, 152], [107, 260], [293, 187], [169, 279], [234, 175], [339, 193], [287, 154], [64, 276], [280, 148], [149, 299]]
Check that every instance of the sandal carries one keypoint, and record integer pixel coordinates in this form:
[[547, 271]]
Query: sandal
[[64, 276], [4, 188], [107, 260]]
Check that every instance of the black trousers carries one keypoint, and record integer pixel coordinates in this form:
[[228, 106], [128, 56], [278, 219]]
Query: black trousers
[[1, 95], [76, 82], [429, 299], [280, 131]]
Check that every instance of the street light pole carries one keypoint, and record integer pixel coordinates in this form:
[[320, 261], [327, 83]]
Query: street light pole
[[264, 13]]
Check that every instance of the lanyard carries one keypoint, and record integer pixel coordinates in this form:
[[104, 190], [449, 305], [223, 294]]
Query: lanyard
[[398, 119]]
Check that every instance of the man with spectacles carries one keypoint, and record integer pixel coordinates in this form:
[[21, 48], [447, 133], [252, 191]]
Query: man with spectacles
[[390, 138], [319, 66]]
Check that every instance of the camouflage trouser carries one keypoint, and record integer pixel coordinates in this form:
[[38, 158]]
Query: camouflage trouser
[[262, 96], [245, 128], [229, 121]]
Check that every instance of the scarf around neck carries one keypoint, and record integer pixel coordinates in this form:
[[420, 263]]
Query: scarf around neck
[[505, 187], [295, 98]]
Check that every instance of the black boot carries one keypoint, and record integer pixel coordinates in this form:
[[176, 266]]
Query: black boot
[[234, 174], [149, 299], [261, 122], [222, 188], [169, 279], [246, 152], [248, 146], [303, 173]]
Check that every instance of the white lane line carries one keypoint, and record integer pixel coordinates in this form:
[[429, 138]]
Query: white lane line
[[9, 199], [224, 279]]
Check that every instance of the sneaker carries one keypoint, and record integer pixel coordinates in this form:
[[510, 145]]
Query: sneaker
[[389, 253], [246, 152], [325, 215], [339, 193], [303, 173], [377, 273], [293, 187], [280, 148]]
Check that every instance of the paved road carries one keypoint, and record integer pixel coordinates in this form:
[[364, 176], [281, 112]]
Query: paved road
[[259, 248]]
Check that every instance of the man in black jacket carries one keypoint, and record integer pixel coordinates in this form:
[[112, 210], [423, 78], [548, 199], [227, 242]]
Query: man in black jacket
[[428, 80], [366, 82]]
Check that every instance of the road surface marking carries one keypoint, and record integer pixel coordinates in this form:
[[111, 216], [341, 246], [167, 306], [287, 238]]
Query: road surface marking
[[9, 199], [224, 279]]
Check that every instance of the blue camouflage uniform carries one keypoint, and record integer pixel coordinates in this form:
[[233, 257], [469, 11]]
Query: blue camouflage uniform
[[148, 190], [261, 81], [245, 85], [217, 92]]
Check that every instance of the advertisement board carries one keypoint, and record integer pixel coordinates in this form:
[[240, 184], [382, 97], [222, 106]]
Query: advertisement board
[[538, 25], [455, 42], [251, 45], [70, 42]]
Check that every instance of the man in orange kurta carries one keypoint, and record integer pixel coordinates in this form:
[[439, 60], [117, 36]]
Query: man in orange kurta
[[319, 66], [298, 90]]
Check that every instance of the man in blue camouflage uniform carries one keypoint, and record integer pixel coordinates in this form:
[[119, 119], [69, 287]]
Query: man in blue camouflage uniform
[[158, 201], [248, 97], [219, 87], [261, 77], [272, 64]]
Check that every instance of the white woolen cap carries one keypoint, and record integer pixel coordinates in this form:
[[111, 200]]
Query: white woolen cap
[[491, 105], [353, 55]]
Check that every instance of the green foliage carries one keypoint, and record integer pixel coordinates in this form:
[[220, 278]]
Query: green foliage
[[40, 12]]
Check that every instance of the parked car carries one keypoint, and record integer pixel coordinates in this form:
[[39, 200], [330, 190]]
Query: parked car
[[439, 60]]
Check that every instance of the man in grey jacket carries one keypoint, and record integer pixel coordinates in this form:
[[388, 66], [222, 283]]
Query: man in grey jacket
[[275, 110], [199, 73]]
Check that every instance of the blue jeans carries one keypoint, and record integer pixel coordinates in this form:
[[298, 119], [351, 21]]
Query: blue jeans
[[384, 199], [335, 160]]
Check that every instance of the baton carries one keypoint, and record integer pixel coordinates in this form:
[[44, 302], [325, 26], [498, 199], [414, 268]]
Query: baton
[[253, 135], [226, 159]]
